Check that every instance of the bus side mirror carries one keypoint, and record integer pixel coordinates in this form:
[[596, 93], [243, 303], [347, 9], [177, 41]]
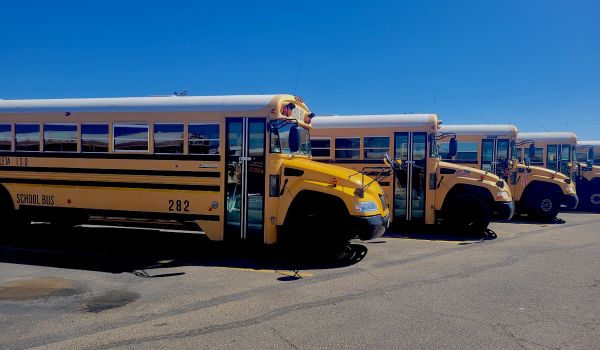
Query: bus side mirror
[[294, 138], [531, 152], [452, 148], [527, 161]]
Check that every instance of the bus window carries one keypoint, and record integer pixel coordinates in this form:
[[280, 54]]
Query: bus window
[[552, 157], [131, 137], [203, 138], [321, 147], [27, 137], [487, 154], [347, 147], [581, 154], [376, 146], [565, 158], [60, 138], [94, 138], [5, 137], [168, 138], [443, 149], [467, 151], [503, 146]]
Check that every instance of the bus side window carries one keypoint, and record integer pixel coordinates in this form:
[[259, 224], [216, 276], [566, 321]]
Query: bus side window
[[347, 148], [5, 137], [203, 138], [320, 147], [60, 138], [168, 138], [467, 151], [94, 138], [130, 137], [376, 146], [27, 137]]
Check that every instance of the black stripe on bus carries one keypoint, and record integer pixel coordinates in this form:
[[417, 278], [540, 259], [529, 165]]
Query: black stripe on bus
[[49, 212], [212, 174], [206, 157], [207, 188]]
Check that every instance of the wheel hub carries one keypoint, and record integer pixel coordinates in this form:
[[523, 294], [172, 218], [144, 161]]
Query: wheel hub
[[546, 205], [595, 199]]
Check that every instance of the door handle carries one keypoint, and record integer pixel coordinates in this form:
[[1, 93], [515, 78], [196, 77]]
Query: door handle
[[246, 158]]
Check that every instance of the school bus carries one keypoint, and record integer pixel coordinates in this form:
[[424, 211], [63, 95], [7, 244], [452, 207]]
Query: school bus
[[235, 167], [427, 190], [537, 192], [557, 151], [588, 156]]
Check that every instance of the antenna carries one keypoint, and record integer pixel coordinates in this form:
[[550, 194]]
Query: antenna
[[297, 78]]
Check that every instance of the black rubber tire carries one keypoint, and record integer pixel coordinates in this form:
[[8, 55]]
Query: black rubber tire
[[543, 205], [593, 199], [12, 219], [316, 222], [467, 214]]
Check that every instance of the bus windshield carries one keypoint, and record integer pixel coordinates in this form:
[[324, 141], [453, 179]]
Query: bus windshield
[[280, 131]]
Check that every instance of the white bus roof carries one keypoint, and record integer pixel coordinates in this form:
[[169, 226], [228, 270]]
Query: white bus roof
[[588, 143], [547, 136], [484, 130], [139, 104], [373, 121]]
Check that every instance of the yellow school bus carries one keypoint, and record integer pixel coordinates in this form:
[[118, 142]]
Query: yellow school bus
[[557, 151], [234, 167], [427, 190], [537, 191], [588, 182]]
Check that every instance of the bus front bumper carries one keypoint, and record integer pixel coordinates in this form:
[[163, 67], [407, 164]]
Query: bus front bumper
[[371, 227], [570, 201], [504, 210]]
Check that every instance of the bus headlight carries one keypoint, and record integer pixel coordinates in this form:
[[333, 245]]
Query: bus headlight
[[502, 196], [363, 207]]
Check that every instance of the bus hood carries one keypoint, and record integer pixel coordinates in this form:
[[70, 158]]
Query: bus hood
[[536, 170], [467, 172], [323, 172]]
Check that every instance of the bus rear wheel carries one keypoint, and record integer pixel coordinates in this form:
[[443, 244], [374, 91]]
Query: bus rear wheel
[[467, 214], [594, 200]]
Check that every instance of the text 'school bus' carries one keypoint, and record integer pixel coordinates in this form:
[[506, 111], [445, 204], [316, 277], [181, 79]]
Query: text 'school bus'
[[537, 191], [236, 166], [426, 189], [588, 157], [557, 151]]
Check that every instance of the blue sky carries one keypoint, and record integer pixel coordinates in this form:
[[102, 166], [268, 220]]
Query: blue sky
[[532, 63]]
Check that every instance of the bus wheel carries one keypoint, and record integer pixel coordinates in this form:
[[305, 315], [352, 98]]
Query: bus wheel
[[545, 205], [594, 200], [316, 220], [467, 214], [12, 219]]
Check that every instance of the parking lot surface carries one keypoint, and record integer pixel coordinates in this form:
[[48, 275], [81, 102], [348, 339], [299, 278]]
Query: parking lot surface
[[525, 285]]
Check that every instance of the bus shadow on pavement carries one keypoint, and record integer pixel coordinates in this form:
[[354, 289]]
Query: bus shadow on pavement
[[136, 251], [439, 233], [523, 219]]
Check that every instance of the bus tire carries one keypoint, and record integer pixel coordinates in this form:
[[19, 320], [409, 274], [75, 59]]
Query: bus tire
[[468, 214], [544, 205], [12, 219], [593, 197], [316, 219]]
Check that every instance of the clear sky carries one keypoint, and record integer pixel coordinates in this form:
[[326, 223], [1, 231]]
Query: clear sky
[[532, 63]]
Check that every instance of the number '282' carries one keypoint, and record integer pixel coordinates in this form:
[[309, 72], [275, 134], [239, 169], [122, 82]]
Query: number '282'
[[179, 205]]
